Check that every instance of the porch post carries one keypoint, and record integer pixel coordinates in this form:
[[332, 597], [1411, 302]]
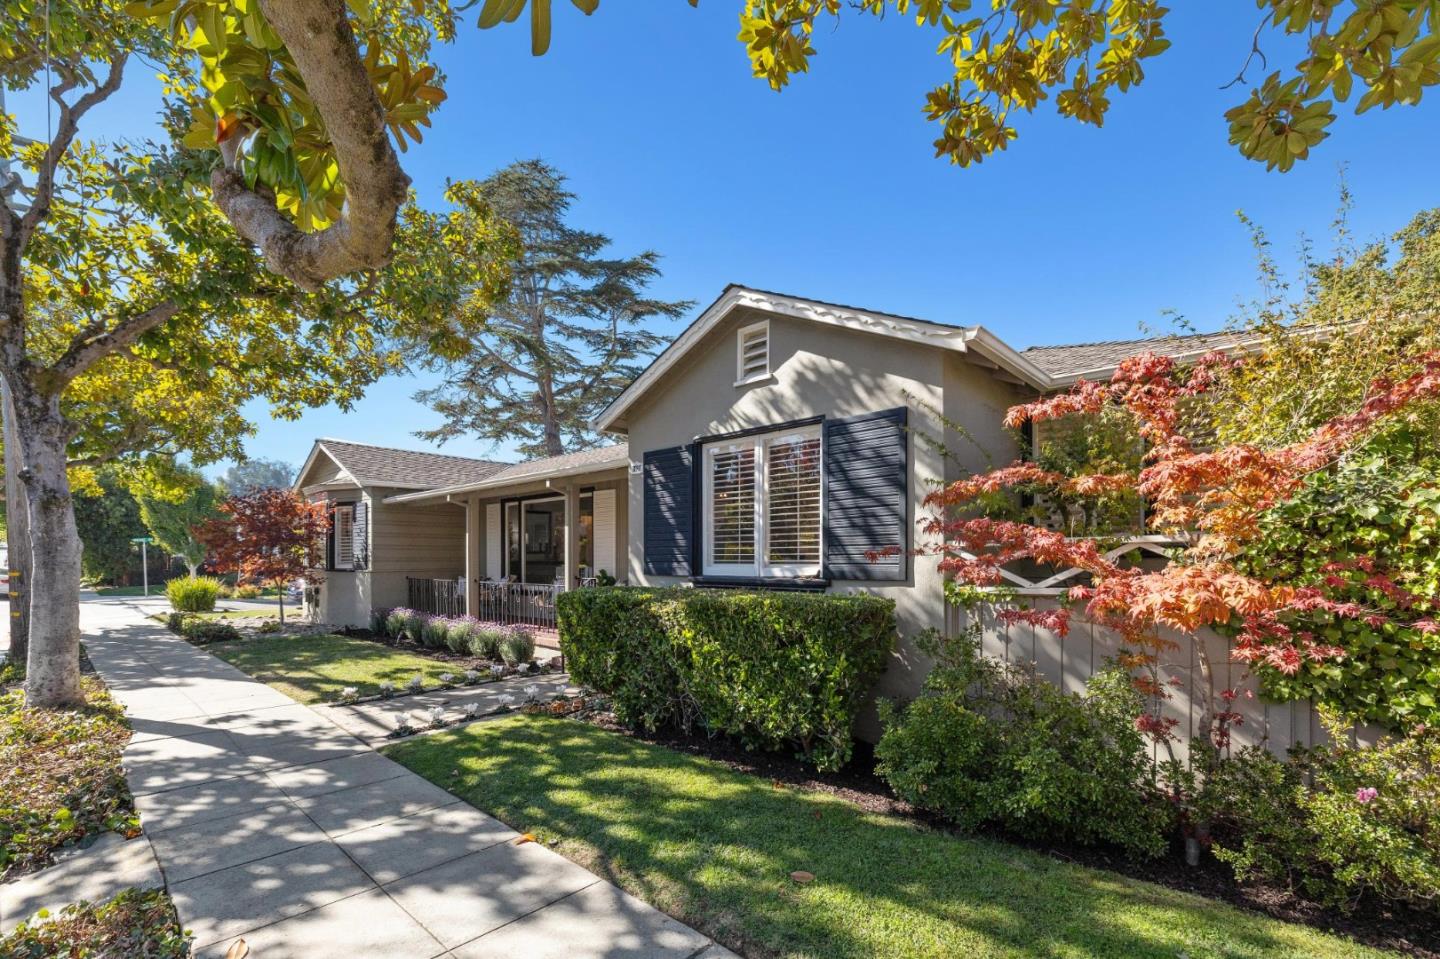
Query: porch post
[[474, 551], [572, 535]]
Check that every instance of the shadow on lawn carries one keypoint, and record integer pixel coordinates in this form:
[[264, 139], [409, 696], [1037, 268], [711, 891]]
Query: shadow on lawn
[[322, 665], [716, 848]]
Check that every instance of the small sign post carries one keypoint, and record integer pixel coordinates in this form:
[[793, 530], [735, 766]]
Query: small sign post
[[144, 542]]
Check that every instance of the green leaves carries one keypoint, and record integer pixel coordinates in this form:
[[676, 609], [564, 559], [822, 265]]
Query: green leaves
[[496, 12]]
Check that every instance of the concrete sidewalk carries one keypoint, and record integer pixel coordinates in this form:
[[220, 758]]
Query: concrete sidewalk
[[272, 823]]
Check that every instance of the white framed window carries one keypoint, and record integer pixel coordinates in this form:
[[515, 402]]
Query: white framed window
[[752, 353], [344, 526], [763, 505]]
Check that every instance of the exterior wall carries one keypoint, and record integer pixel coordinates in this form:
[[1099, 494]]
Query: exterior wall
[[976, 400], [818, 370], [1069, 662], [343, 593], [408, 539]]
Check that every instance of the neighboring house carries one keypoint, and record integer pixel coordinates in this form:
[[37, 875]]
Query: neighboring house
[[778, 443]]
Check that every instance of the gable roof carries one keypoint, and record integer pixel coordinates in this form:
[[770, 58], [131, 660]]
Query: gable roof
[[369, 465], [961, 339], [1070, 361], [1043, 368], [550, 467]]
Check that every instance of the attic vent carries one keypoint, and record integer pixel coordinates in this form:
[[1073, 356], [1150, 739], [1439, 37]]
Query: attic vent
[[752, 349]]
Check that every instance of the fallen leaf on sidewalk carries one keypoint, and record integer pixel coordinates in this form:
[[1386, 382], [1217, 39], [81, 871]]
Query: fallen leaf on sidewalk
[[524, 838], [237, 950]]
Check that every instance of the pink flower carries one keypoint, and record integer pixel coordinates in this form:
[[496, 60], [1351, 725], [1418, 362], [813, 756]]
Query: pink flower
[[1366, 794]]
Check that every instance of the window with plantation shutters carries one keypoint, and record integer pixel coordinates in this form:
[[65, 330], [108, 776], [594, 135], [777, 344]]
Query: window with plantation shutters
[[762, 505], [344, 536], [752, 353]]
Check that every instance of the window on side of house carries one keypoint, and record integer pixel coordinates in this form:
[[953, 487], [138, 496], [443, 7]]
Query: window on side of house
[[343, 527], [762, 505], [752, 353]]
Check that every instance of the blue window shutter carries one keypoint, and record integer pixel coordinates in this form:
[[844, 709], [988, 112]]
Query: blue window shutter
[[867, 496], [361, 535], [669, 511]]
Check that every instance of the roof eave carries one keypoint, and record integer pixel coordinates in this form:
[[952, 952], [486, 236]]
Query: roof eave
[[734, 297], [448, 492]]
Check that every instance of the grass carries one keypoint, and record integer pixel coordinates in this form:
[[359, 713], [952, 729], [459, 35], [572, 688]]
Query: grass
[[247, 614], [135, 923], [715, 848], [314, 669], [60, 777]]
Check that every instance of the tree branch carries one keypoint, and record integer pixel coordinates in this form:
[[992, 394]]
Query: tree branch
[[317, 33], [84, 352], [64, 134]]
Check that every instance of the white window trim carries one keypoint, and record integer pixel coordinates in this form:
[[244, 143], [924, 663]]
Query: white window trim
[[765, 376], [348, 537], [759, 568]]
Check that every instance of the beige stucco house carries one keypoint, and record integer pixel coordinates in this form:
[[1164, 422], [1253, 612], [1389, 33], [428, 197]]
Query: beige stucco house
[[778, 443]]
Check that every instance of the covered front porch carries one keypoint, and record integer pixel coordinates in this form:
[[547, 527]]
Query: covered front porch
[[531, 532]]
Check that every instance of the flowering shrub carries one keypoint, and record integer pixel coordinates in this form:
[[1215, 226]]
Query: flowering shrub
[[517, 646], [472, 677], [434, 631], [485, 642], [380, 621], [416, 683], [988, 744], [1341, 822], [387, 690], [397, 623], [458, 632], [446, 680], [348, 695], [471, 710], [437, 715]]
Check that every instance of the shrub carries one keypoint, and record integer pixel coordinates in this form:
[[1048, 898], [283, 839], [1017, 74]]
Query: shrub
[[1341, 822], [458, 633], [247, 591], [175, 622], [485, 642], [227, 591], [434, 631], [516, 645], [772, 668], [202, 632], [193, 594], [988, 744], [395, 622], [380, 621]]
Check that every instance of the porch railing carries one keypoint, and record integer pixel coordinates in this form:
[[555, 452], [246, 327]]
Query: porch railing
[[519, 604], [442, 597], [527, 604]]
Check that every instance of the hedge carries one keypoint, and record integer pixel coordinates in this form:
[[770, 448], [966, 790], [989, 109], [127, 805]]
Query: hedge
[[772, 668]]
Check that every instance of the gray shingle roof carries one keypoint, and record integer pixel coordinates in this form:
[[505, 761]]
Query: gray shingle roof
[[598, 456], [1075, 358], [384, 466]]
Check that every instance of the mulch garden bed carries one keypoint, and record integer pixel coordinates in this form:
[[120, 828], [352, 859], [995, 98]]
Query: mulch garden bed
[[1407, 931]]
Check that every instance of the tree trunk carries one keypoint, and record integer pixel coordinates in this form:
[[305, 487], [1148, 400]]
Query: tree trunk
[[17, 531], [53, 674], [549, 418]]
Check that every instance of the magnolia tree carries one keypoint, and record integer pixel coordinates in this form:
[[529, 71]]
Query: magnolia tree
[[270, 536], [1213, 501]]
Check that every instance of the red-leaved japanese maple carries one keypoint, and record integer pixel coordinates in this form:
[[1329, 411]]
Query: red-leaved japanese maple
[[270, 536], [1208, 500]]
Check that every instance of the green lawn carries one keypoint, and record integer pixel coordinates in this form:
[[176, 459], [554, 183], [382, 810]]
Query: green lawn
[[314, 669], [716, 848], [248, 614]]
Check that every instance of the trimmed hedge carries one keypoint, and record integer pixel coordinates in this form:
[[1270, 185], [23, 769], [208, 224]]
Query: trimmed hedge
[[773, 668]]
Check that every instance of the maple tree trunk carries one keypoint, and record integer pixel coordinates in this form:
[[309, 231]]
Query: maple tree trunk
[[53, 666]]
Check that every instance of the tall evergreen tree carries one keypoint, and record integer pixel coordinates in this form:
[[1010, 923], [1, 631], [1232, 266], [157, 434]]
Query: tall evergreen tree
[[172, 520], [571, 334]]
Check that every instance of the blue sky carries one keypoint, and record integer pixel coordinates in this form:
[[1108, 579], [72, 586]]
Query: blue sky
[[829, 189]]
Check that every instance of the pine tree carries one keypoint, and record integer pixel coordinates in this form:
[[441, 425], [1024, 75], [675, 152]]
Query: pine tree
[[572, 333]]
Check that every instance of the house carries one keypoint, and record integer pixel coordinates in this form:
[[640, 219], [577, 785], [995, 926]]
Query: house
[[779, 442]]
